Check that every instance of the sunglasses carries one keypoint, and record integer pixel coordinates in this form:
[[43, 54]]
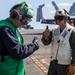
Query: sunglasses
[[59, 18]]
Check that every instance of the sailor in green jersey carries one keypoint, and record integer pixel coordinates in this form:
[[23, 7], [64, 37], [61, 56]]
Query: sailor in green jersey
[[12, 48]]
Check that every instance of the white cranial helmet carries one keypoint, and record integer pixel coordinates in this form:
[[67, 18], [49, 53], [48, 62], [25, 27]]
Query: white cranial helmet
[[61, 12]]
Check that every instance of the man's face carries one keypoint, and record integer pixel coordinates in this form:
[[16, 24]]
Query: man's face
[[60, 20]]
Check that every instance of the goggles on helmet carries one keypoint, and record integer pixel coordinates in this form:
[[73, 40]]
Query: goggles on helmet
[[59, 18], [25, 21]]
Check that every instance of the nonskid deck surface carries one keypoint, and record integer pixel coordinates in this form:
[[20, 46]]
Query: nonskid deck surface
[[38, 62], [42, 62]]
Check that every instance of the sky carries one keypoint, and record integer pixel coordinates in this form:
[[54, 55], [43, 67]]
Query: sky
[[48, 9]]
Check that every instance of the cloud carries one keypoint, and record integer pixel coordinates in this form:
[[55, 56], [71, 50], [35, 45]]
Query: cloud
[[64, 4], [48, 5], [51, 12], [59, 4]]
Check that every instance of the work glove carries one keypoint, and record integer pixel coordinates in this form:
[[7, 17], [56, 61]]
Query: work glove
[[46, 33], [71, 69], [35, 42]]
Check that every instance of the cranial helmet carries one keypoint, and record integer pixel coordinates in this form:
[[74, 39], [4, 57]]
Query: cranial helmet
[[61, 12], [28, 11]]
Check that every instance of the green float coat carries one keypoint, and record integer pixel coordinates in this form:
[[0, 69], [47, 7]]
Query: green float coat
[[12, 66]]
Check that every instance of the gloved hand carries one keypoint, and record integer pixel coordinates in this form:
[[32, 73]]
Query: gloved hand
[[46, 33], [71, 69], [35, 41]]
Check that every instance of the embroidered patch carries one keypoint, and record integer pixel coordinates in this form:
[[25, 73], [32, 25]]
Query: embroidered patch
[[56, 32]]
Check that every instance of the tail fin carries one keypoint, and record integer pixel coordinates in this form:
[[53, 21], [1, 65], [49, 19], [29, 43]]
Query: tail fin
[[39, 13], [55, 6], [72, 10]]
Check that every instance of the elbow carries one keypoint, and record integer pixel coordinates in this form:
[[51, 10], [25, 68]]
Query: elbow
[[16, 57]]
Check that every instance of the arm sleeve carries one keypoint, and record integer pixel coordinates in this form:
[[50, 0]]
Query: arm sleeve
[[14, 48], [48, 40], [72, 44]]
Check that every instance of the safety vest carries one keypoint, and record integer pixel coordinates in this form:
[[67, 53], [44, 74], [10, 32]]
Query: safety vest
[[60, 47], [11, 66]]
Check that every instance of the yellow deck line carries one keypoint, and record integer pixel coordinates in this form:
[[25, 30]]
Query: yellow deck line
[[39, 64]]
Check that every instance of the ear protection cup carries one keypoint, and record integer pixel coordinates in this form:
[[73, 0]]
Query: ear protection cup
[[14, 14]]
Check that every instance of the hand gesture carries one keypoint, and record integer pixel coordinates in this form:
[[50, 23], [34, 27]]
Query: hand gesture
[[71, 69], [46, 33]]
